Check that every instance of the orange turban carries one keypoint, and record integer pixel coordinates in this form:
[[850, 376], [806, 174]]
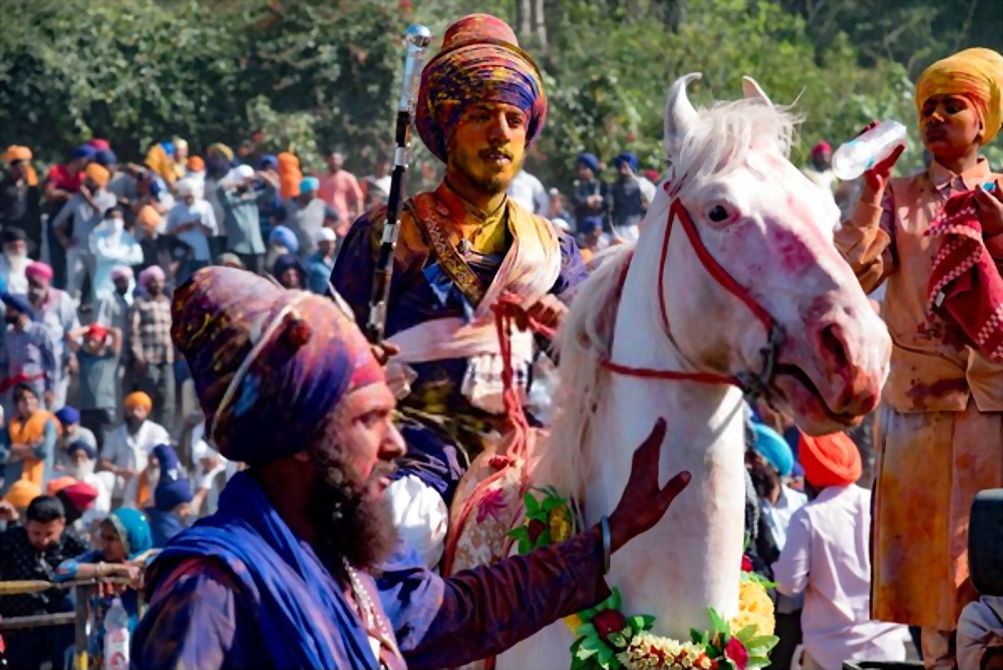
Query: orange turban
[[196, 164], [829, 460], [18, 153], [21, 493], [138, 399], [148, 218], [158, 161], [976, 74], [290, 175], [58, 484], [98, 174]]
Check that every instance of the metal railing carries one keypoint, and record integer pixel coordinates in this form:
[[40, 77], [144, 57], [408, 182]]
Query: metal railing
[[83, 590]]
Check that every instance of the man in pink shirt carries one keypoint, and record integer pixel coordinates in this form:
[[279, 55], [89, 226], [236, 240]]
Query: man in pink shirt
[[340, 189]]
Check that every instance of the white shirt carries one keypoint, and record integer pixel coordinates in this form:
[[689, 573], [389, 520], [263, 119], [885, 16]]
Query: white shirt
[[778, 515], [826, 557], [133, 451], [196, 238], [528, 191]]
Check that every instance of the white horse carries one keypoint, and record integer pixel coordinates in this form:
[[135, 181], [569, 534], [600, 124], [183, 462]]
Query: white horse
[[758, 254]]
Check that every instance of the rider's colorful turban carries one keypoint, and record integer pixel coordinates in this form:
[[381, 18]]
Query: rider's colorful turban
[[829, 460], [480, 61], [268, 364], [976, 74]]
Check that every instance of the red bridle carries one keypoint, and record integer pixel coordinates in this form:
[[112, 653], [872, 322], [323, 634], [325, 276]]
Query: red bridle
[[755, 384]]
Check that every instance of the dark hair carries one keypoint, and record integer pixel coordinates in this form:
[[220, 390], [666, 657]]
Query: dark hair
[[112, 210], [21, 389], [990, 654], [45, 509]]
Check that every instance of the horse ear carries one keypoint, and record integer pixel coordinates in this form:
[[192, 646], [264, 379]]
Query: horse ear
[[752, 89], [680, 115]]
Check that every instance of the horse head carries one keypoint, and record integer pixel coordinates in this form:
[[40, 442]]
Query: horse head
[[766, 232]]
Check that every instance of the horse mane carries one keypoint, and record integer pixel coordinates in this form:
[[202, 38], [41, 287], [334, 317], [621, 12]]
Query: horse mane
[[727, 132], [584, 341]]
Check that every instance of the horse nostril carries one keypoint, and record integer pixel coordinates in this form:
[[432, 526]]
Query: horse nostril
[[832, 343]]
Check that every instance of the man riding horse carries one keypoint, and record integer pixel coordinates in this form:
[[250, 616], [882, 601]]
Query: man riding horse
[[480, 106]]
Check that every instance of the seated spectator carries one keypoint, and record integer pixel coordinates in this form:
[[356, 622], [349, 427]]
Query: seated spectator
[[72, 431], [826, 558], [98, 349], [125, 541], [32, 552], [29, 449], [290, 273], [84, 460], [321, 263], [171, 499], [281, 241], [127, 448]]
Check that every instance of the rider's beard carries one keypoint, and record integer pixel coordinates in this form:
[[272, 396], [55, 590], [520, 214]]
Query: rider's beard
[[349, 522], [82, 470]]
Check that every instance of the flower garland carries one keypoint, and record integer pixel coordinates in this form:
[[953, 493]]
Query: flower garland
[[606, 639]]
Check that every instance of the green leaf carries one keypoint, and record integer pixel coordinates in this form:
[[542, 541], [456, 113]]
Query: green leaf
[[532, 506], [768, 641], [718, 623], [586, 630], [641, 622], [747, 633], [616, 602], [618, 640], [698, 637]]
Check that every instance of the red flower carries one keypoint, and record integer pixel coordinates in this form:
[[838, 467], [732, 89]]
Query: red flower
[[535, 528], [736, 653], [746, 563], [608, 622]]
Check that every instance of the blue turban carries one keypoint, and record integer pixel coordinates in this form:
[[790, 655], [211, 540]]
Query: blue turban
[[84, 151], [172, 489], [285, 237], [309, 184], [774, 448], [268, 162], [68, 415], [80, 445], [168, 147], [589, 160], [589, 224], [628, 158], [18, 303], [105, 157]]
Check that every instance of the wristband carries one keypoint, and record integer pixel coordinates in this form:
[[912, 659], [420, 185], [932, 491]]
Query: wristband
[[606, 544]]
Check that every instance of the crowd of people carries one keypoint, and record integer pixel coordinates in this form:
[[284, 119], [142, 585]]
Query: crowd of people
[[154, 350]]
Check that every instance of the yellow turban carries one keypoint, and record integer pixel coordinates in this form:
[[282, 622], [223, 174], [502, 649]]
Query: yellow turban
[[18, 153], [148, 218], [976, 74], [138, 399], [21, 493], [161, 164], [98, 174]]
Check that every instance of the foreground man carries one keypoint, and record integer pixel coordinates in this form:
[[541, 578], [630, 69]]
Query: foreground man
[[940, 436], [280, 575], [480, 106]]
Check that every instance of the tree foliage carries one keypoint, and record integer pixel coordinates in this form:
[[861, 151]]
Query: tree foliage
[[316, 74]]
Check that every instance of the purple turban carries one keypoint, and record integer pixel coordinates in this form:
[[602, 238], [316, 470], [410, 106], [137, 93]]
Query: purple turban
[[151, 273], [480, 61], [269, 365]]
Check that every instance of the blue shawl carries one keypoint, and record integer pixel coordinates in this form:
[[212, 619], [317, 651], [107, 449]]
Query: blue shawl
[[303, 617]]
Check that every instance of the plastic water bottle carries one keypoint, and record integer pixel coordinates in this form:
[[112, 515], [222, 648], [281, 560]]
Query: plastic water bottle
[[867, 150], [116, 637]]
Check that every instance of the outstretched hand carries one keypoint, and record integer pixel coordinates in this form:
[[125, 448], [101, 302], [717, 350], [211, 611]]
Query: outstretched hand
[[644, 502]]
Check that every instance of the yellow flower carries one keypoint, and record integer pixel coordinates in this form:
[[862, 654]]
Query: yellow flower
[[573, 622], [560, 524], [754, 608]]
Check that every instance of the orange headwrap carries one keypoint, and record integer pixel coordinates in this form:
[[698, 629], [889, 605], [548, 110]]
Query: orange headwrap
[[138, 399], [58, 484], [18, 153], [196, 164], [290, 175], [148, 218], [976, 74], [98, 174], [829, 460]]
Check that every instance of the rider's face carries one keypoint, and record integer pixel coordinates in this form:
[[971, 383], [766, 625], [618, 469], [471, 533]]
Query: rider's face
[[489, 144]]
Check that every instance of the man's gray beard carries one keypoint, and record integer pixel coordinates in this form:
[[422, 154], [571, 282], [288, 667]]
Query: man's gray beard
[[348, 523]]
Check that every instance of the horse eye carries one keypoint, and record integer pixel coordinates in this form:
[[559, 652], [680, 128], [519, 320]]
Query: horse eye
[[717, 214]]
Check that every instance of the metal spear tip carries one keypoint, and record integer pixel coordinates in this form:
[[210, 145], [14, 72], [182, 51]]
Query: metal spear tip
[[418, 35]]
